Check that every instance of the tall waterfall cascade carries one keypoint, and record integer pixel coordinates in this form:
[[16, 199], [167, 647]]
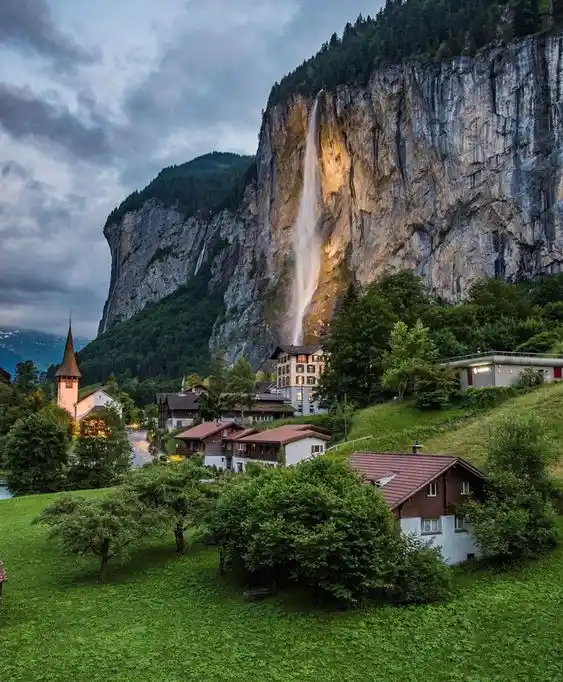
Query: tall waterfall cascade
[[307, 242]]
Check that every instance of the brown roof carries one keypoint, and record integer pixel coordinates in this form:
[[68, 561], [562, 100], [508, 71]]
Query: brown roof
[[295, 350], [410, 472], [238, 435], [69, 367], [205, 430], [285, 434]]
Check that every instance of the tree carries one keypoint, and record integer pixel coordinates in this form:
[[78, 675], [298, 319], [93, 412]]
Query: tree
[[149, 417], [101, 454], [129, 413], [410, 351], [177, 492], [191, 381], [36, 457], [25, 377], [241, 384], [355, 347], [112, 386], [216, 401], [105, 527], [316, 524], [517, 519], [60, 417]]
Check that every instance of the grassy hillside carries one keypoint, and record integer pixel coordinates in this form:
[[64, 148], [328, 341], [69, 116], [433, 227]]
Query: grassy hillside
[[168, 618], [395, 426]]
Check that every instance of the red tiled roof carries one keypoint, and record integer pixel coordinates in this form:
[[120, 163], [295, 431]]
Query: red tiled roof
[[239, 434], [205, 430], [410, 472], [285, 434]]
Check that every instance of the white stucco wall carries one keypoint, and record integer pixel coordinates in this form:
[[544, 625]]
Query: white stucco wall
[[454, 546], [172, 424], [244, 461], [215, 461], [300, 450], [97, 399]]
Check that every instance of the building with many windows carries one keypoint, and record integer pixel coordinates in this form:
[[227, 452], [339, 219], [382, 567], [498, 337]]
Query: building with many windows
[[298, 370]]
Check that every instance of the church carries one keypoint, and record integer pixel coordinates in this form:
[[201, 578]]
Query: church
[[68, 378]]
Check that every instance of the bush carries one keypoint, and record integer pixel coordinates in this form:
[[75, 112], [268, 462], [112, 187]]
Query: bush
[[531, 377], [421, 576], [434, 387], [483, 398], [517, 518], [317, 525]]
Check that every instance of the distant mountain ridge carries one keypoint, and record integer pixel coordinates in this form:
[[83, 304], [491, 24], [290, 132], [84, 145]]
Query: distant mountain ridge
[[44, 349]]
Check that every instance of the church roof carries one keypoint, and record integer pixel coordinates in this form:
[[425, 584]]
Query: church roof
[[69, 367]]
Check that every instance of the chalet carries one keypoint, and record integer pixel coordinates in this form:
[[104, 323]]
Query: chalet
[[177, 410], [207, 439], [496, 368], [227, 445], [426, 493], [287, 445]]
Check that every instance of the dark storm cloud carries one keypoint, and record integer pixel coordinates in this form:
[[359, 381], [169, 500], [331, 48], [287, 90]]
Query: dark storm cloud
[[22, 115], [28, 24]]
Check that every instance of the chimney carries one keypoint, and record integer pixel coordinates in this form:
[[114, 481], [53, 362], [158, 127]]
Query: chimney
[[416, 448]]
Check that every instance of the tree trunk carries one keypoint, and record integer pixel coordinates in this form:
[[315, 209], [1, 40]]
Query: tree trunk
[[104, 561], [179, 536]]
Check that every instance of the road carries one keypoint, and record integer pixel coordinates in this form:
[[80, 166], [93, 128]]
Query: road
[[140, 445]]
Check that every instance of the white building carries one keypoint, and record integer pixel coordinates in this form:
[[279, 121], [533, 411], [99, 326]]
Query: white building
[[298, 370], [229, 446], [495, 368], [426, 493]]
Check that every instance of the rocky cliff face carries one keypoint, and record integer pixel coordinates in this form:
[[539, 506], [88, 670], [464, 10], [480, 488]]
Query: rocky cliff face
[[454, 170]]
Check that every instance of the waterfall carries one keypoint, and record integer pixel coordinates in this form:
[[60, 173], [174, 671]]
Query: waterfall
[[199, 260], [306, 239]]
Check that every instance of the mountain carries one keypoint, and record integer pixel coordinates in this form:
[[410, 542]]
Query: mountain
[[451, 166], [44, 349]]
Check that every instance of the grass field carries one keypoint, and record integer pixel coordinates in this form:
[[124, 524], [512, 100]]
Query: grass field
[[395, 426], [165, 618]]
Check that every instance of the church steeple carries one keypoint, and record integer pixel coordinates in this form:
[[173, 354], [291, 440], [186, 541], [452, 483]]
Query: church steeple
[[69, 367]]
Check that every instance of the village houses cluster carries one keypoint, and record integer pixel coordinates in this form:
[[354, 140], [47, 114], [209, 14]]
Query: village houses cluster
[[423, 491]]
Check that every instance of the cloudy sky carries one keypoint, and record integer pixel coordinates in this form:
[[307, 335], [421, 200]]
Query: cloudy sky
[[97, 97]]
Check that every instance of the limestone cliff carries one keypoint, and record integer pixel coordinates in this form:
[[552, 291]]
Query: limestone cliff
[[454, 170]]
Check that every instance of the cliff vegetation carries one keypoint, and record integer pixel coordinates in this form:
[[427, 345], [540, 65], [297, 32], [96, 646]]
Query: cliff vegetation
[[203, 186], [432, 29]]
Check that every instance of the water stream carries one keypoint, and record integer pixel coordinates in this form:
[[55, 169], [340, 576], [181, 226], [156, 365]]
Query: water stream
[[306, 238]]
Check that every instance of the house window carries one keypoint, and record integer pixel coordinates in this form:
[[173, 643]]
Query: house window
[[300, 369], [302, 358], [299, 395], [431, 526], [311, 369], [311, 381], [240, 467], [432, 490], [465, 488], [179, 423], [300, 381], [241, 447], [315, 449], [461, 524]]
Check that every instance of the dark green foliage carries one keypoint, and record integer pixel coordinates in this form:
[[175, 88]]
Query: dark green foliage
[[494, 316], [202, 186], [316, 524], [161, 343], [517, 518], [176, 493], [483, 398], [420, 577], [99, 461], [105, 527], [434, 387], [531, 377], [424, 29], [35, 455]]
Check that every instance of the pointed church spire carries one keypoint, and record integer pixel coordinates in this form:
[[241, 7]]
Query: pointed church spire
[[69, 367]]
